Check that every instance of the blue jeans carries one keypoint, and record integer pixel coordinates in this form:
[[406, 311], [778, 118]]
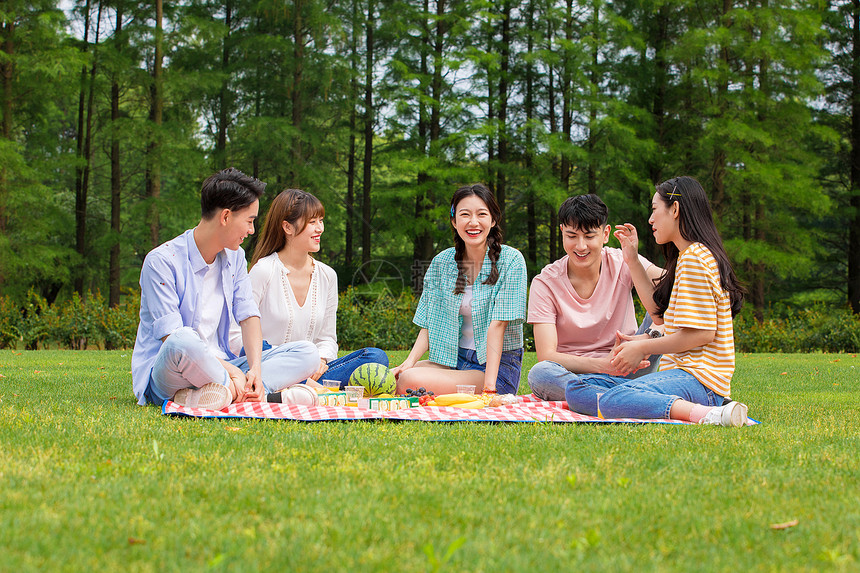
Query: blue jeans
[[184, 361], [341, 368], [510, 367], [650, 396], [548, 380]]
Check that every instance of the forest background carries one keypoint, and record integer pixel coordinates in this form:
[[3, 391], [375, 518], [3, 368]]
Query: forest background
[[113, 113]]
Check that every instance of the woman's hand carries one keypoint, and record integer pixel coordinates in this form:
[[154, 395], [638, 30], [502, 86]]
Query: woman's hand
[[399, 369], [629, 239], [628, 355], [489, 385], [320, 371]]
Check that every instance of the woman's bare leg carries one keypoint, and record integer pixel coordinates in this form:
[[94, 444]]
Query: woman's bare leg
[[438, 379]]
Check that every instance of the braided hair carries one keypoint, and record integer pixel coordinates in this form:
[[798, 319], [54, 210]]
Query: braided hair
[[494, 237]]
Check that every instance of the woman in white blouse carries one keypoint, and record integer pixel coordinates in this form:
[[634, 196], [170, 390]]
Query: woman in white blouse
[[297, 294]]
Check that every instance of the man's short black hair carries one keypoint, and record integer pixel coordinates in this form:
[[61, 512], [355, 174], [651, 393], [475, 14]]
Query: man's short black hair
[[583, 212], [229, 189]]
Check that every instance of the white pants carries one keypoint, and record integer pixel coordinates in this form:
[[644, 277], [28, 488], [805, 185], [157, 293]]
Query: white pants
[[184, 361]]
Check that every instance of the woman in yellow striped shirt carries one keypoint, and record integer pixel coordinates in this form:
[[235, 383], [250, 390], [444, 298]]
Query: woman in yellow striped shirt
[[696, 299]]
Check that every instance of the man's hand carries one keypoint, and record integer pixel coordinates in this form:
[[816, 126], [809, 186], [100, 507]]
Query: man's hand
[[253, 386], [237, 381]]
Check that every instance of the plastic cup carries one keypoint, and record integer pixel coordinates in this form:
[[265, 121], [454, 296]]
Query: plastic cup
[[331, 385], [465, 389], [599, 413], [354, 394]]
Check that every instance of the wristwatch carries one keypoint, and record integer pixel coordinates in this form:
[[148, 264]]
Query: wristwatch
[[653, 333]]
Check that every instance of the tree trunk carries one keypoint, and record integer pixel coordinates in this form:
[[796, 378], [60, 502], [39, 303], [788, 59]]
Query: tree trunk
[[594, 77], [154, 150], [7, 65], [422, 250], [491, 113], [502, 182], [553, 129], [718, 166], [353, 125], [567, 111], [531, 214], [297, 89], [366, 212], [220, 154], [854, 231], [80, 165], [114, 276]]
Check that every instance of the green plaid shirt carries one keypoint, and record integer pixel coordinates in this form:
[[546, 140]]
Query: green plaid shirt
[[439, 308]]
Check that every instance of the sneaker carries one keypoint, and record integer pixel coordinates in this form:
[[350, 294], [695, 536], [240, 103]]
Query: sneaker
[[298, 394], [211, 396], [731, 415]]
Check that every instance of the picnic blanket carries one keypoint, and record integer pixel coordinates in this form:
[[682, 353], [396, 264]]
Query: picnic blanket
[[527, 409]]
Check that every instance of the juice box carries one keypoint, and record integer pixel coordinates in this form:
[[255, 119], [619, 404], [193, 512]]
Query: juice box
[[332, 399], [390, 404]]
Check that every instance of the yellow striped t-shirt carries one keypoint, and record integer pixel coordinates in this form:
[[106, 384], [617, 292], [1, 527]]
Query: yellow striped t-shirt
[[699, 301]]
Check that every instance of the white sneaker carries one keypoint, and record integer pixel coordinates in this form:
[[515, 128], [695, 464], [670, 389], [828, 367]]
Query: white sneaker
[[298, 394], [211, 396], [731, 415]]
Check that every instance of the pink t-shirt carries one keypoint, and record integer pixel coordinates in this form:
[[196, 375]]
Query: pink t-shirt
[[585, 327]]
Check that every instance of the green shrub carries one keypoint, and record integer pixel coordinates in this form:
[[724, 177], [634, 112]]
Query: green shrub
[[384, 320], [819, 328], [76, 321], [118, 325], [36, 321], [10, 323], [378, 319]]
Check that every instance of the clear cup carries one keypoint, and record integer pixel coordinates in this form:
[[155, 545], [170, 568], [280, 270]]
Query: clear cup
[[354, 394], [599, 413], [331, 385], [465, 389]]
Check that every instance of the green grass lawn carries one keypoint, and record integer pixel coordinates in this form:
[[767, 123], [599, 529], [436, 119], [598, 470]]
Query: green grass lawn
[[92, 482]]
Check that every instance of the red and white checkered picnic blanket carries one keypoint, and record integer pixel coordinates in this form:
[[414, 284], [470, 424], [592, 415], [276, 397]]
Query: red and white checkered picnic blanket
[[528, 409]]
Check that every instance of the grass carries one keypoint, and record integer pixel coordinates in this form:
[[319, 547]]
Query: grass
[[90, 481]]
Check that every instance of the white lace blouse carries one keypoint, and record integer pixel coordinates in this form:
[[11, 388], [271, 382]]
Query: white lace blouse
[[281, 317]]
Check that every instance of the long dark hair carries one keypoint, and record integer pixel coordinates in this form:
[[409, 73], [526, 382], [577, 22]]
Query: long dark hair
[[494, 237], [294, 206], [696, 224]]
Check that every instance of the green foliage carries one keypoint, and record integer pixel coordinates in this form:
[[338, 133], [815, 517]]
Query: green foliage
[[384, 320], [814, 329], [551, 99], [10, 317], [76, 324], [378, 319]]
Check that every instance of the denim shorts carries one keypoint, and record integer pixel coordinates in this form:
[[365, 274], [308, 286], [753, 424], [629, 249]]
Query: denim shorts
[[510, 366]]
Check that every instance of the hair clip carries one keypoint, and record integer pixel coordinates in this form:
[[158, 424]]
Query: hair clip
[[674, 192], [452, 211]]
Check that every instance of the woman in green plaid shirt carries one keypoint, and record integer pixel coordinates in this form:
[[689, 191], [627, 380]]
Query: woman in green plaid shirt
[[472, 308]]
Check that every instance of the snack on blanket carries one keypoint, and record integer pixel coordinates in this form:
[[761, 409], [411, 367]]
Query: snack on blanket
[[376, 378], [332, 399], [458, 401], [502, 400]]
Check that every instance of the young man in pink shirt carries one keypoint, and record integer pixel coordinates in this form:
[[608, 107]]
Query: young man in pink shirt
[[578, 303]]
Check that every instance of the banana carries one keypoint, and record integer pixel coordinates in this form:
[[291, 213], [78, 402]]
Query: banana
[[474, 404], [453, 399]]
